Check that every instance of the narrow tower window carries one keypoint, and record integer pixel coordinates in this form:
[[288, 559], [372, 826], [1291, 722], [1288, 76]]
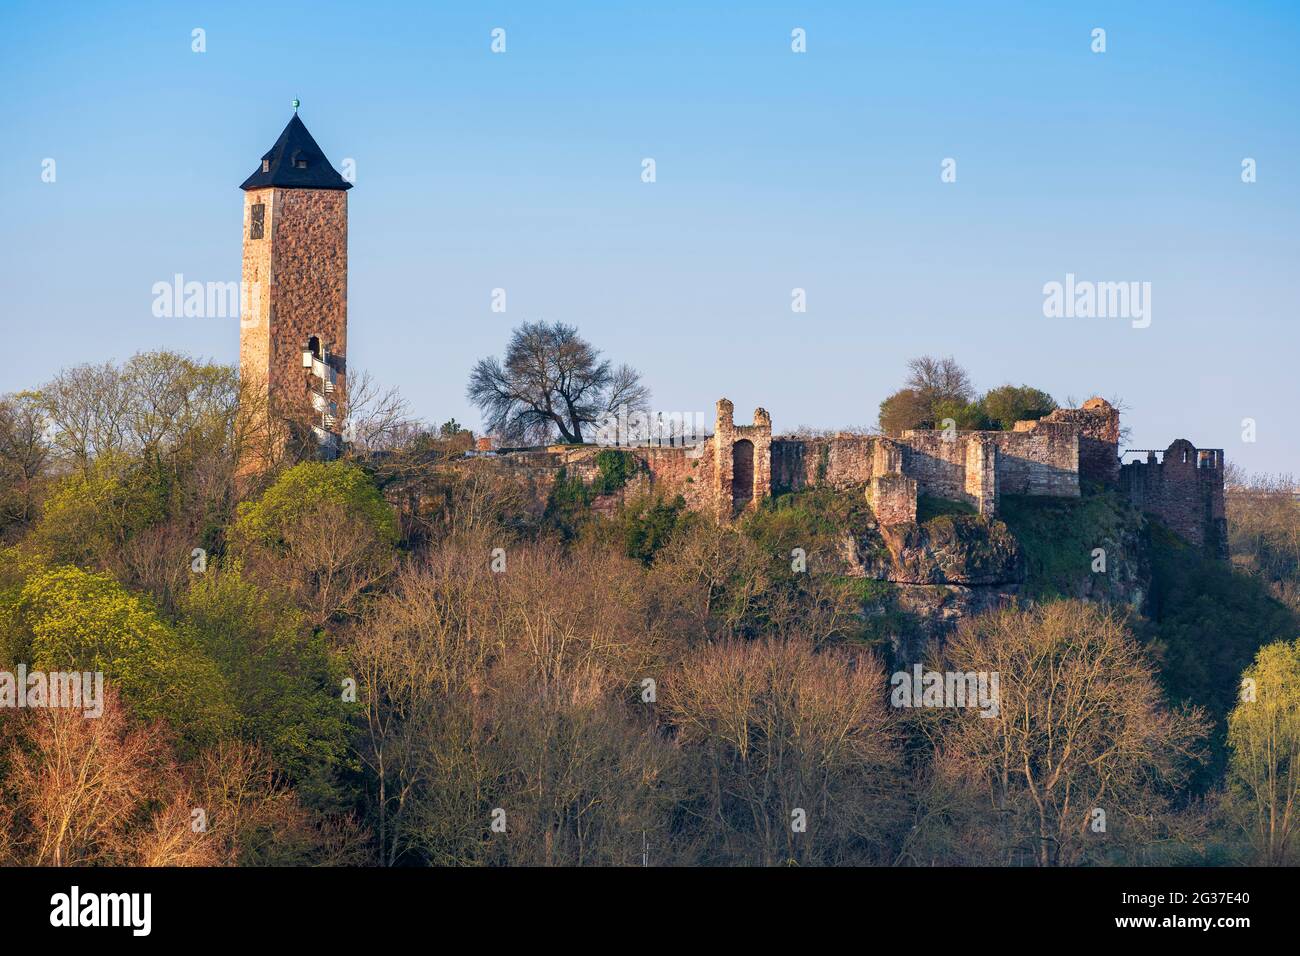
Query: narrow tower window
[[266, 165], [257, 220]]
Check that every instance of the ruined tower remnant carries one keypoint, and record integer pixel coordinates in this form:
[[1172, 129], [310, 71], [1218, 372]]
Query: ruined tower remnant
[[1184, 489], [891, 493], [294, 323], [742, 457], [1097, 422]]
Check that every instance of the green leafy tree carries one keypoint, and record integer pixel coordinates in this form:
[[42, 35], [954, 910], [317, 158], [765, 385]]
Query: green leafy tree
[[91, 514], [903, 410], [568, 505], [297, 496], [70, 619], [614, 469], [936, 388], [963, 415], [1002, 407], [647, 525], [282, 678], [1264, 739], [1208, 622], [323, 532]]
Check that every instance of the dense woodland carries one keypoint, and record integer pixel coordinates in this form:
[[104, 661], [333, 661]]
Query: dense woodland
[[403, 658]]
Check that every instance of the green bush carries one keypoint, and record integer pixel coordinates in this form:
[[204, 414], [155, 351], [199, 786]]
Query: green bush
[[1207, 622], [1057, 536], [299, 494], [1004, 406], [614, 469], [283, 681], [648, 524], [568, 506]]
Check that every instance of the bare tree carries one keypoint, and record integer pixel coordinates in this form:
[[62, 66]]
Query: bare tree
[[939, 379], [1264, 529], [793, 754], [78, 791], [326, 559], [24, 457], [1080, 728], [551, 380], [935, 388], [375, 418], [85, 404]]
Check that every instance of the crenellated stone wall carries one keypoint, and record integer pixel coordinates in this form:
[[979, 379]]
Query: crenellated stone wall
[[1184, 490]]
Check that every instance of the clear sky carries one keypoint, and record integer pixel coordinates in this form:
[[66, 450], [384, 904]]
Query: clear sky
[[775, 170]]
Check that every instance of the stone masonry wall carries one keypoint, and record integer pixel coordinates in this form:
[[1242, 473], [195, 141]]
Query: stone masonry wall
[[687, 472], [731, 495], [842, 462], [982, 473], [892, 498], [938, 464], [1037, 458], [295, 279], [1185, 491], [1041, 461], [1097, 425]]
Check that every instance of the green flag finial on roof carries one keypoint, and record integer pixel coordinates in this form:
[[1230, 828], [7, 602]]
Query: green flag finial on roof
[[296, 104]]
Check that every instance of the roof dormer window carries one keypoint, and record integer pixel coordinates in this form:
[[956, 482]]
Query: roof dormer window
[[266, 165]]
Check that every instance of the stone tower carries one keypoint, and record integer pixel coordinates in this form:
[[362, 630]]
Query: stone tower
[[294, 322]]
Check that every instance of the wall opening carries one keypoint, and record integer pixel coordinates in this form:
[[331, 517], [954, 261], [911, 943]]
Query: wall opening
[[742, 473]]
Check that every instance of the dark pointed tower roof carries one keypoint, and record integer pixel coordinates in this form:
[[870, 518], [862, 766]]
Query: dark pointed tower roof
[[296, 162]]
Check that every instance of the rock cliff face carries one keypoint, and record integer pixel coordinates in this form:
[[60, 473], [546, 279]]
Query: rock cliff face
[[937, 609], [954, 566], [959, 549]]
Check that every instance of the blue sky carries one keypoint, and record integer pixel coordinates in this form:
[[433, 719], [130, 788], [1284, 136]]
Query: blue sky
[[775, 170]]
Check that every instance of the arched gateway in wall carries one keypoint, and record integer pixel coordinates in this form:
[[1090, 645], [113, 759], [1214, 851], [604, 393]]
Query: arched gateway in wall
[[742, 474], [743, 461]]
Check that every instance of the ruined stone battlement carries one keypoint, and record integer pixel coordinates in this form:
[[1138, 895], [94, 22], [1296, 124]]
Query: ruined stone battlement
[[1044, 457], [732, 471], [1184, 488]]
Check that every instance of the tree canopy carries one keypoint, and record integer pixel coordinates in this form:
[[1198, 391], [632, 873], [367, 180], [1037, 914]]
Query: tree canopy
[[551, 381], [939, 389]]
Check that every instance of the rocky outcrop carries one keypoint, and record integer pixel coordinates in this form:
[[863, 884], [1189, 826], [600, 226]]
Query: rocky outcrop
[[956, 566], [938, 609], [952, 549]]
